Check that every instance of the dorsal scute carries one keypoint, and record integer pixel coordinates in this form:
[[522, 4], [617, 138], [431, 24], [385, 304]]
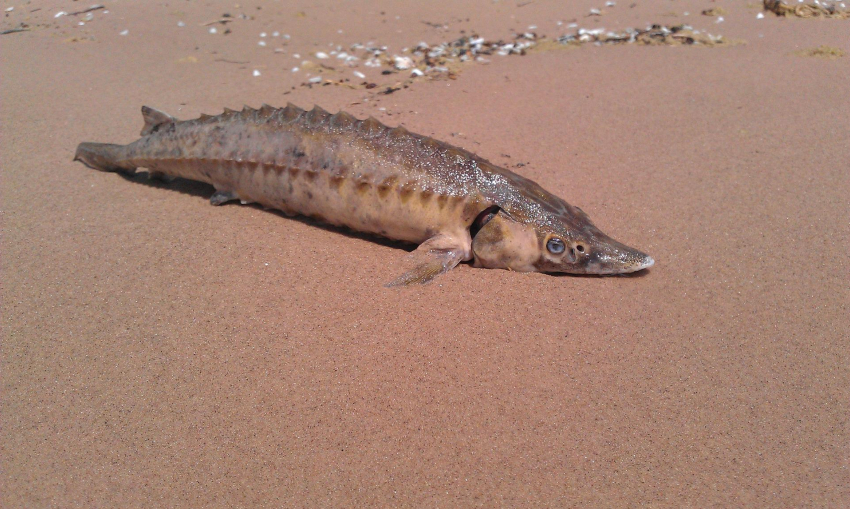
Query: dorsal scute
[[398, 133], [249, 114], [317, 115], [457, 155], [266, 111], [342, 120], [371, 126], [430, 143], [290, 113]]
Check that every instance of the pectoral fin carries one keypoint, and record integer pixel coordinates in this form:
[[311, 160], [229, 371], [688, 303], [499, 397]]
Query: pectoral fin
[[158, 175], [222, 197], [433, 257]]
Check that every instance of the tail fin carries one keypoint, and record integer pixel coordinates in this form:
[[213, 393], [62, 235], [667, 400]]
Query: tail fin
[[103, 157]]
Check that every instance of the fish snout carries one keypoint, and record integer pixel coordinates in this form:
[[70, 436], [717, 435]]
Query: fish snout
[[615, 258]]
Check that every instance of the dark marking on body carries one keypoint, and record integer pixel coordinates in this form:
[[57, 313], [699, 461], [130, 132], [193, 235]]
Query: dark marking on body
[[406, 191], [386, 186], [442, 200], [336, 181]]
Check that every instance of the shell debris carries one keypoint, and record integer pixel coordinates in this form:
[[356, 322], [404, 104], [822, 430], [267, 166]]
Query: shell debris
[[676, 35], [817, 9]]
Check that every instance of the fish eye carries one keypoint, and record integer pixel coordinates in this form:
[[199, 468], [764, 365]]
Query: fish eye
[[555, 245]]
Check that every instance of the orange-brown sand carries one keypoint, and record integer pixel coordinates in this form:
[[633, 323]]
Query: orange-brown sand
[[160, 352]]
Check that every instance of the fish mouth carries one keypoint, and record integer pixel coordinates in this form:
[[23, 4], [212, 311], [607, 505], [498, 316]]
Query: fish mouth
[[645, 264], [617, 267]]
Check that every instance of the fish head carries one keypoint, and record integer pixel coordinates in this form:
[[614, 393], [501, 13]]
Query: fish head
[[564, 242]]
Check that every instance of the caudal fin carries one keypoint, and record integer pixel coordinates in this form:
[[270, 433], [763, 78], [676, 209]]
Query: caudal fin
[[103, 157]]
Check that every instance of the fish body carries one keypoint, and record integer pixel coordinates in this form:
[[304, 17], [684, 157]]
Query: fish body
[[376, 179]]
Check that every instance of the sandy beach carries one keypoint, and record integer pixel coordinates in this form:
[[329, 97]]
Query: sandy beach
[[160, 352]]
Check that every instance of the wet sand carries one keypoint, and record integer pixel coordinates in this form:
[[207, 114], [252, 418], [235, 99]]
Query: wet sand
[[157, 351]]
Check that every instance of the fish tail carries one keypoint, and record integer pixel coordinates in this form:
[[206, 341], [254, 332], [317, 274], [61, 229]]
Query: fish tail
[[104, 157]]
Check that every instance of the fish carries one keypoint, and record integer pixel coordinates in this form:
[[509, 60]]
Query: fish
[[369, 177]]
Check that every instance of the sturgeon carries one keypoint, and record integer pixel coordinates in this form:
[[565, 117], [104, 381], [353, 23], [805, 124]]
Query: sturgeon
[[372, 178]]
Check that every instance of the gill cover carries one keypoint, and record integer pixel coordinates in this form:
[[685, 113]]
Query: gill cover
[[503, 243]]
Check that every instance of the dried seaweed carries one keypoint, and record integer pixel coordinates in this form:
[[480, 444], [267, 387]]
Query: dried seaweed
[[805, 10], [446, 60], [654, 35], [821, 51]]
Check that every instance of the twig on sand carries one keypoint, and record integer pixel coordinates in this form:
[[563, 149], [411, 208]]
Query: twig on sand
[[434, 25], [92, 8], [15, 30], [222, 21]]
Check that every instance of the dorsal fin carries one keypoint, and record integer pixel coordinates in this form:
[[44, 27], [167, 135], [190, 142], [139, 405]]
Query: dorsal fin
[[154, 119]]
